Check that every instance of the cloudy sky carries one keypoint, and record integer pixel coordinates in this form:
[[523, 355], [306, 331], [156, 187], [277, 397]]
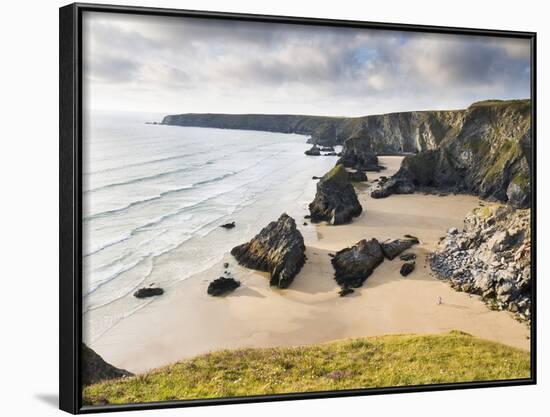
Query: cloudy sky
[[179, 65]]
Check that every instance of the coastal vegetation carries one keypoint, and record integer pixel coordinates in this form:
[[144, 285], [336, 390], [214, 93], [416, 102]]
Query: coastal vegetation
[[349, 364]]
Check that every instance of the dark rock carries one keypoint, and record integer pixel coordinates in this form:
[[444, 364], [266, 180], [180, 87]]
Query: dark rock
[[228, 225], [222, 285], [305, 223], [148, 292], [95, 369], [357, 176], [393, 186], [307, 216], [407, 268], [330, 154], [354, 265], [407, 256], [226, 265], [327, 149], [315, 178], [335, 200], [345, 291], [393, 247], [313, 151], [278, 249], [411, 237]]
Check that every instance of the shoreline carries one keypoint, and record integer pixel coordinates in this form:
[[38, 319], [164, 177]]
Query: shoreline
[[185, 321]]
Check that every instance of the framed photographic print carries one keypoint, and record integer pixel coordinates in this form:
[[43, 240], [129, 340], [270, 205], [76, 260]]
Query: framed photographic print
[[262, 208]]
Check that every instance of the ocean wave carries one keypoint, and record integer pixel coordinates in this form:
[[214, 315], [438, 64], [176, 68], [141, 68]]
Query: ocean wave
[[177, 190]]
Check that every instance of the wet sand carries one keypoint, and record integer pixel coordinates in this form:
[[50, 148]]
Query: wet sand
[[186, 321]]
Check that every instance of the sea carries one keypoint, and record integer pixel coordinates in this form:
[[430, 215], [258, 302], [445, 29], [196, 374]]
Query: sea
[[155, 195]]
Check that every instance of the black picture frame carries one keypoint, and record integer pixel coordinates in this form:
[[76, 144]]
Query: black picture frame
[[70, 204]]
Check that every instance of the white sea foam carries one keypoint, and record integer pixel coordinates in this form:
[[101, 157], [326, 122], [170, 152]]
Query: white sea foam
[[156, 192]]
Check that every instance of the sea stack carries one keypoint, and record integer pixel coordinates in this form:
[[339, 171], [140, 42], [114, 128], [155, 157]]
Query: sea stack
[[278, 249], [335, 200]]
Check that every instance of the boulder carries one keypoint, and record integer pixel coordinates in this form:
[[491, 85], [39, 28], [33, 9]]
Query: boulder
[[394, 247], [407, 268], [222, 285], [393, 186], [278, 249], [335, 200], [148, 292], [357, 176], [354, 265], [313, 151], [228, 225], [95, 369]]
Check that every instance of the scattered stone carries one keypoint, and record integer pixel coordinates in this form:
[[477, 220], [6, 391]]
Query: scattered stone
[[354, 265], [148, 292], [228, 225], [222, 285], [407, 268], [278, 249], [226, 265], [305, 223], [452, 231]]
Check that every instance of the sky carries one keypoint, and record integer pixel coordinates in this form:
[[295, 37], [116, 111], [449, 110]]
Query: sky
[[171, 65]]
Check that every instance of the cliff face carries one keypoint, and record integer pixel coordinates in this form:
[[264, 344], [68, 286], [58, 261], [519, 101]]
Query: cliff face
[[488, 154], [282, 123], [387, 133]]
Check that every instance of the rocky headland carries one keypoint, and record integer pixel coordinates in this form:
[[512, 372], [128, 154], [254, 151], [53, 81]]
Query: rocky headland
[[488, 154], [278, 249]]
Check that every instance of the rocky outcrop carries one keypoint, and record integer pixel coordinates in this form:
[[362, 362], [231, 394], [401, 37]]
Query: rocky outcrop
[[394, 185], [488, 154], [222, 286], [278, 249], [354, 265], [359, 154], [335, 200], [490, 257], [313, 151], [95, 369], [147, 292]]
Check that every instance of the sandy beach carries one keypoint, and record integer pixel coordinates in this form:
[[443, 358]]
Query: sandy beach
[[186, 321]]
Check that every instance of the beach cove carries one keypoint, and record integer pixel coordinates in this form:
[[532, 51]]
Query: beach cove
[[186, 322]]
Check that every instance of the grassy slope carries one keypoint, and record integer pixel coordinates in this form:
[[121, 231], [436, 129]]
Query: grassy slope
[[357, 363]]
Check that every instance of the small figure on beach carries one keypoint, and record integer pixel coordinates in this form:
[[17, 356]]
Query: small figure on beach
[[228, 225], [439, 300]]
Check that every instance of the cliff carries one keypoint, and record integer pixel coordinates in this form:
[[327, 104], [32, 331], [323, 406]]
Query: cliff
[[387, 133], [489, 154]]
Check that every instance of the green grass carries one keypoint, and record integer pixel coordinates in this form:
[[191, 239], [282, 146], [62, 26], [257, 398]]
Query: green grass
[[357, 363]]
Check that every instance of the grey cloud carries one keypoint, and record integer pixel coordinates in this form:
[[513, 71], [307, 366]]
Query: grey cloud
[[273, 68]]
